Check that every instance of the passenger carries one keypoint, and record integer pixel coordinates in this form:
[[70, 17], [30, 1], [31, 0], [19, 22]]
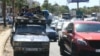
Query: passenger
[[34, 10], [38, 10], [29, 13], [23, 11], [46, 14]]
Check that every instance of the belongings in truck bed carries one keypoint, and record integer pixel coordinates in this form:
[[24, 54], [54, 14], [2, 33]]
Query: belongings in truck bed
[[36, 17]]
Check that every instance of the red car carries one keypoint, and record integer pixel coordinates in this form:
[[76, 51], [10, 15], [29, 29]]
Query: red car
[[81, 38]]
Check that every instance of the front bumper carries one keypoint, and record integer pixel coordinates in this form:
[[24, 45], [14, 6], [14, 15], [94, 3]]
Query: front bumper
[[87, 51], [31, 46], [23, 49]]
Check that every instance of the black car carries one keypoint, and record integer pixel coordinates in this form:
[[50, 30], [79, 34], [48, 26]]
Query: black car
[[30, 38], [52, 34]]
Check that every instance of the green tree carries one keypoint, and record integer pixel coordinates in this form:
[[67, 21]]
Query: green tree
[[56, 8], [9, 3], [19, 3], [64, 9], [45, 4]]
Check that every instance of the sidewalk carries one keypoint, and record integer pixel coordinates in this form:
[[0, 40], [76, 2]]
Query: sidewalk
[[3, 39]]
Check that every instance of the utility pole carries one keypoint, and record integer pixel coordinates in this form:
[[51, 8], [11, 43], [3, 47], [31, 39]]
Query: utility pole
[[4, 12], [77, 4], [99, 6]]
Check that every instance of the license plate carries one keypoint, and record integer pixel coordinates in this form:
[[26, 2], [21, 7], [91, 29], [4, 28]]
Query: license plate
[[98, 50], [31, 49]]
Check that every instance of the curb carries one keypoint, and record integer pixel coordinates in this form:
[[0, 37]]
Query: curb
[[4, 36]]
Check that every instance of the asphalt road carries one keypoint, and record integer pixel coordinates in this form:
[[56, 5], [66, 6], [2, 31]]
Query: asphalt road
[[54, 50]]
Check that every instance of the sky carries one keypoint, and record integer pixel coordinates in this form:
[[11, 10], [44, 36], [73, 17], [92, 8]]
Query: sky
[[72, 5]]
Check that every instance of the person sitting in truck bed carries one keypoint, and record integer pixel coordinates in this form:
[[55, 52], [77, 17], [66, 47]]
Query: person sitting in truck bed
[[23, 10], [29, 13], [38, 13], [38, 10]]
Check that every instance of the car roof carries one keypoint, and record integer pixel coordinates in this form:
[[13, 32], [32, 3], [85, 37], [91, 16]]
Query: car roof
[[83, 22]]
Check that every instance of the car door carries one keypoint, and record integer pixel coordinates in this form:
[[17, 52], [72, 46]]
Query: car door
[[67, 41]]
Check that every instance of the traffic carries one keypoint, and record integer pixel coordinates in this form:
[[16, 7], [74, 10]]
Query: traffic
[[76, 36], [52, 30]]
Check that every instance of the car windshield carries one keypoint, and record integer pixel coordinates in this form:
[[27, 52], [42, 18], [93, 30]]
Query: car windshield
[[30, 29], [87, 27]]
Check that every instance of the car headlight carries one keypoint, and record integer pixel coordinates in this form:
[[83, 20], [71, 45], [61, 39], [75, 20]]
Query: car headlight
[[82, 42]]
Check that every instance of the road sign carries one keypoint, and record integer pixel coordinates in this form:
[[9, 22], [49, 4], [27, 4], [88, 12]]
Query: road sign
[[73, 1]]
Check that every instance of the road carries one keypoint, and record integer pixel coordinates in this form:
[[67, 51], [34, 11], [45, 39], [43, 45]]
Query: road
[[54, 49]]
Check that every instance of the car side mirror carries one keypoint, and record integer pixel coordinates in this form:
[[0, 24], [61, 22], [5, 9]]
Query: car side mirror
[[69, 31], [13, 32]]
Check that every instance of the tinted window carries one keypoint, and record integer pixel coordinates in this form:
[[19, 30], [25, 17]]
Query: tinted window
[[87, 27]]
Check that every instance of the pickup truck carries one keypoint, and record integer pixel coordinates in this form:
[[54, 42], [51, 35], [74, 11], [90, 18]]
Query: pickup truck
[[30, 36]]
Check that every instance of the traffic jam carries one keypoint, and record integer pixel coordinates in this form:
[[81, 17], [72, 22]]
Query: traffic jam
[[74, 37], [40, 30]]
